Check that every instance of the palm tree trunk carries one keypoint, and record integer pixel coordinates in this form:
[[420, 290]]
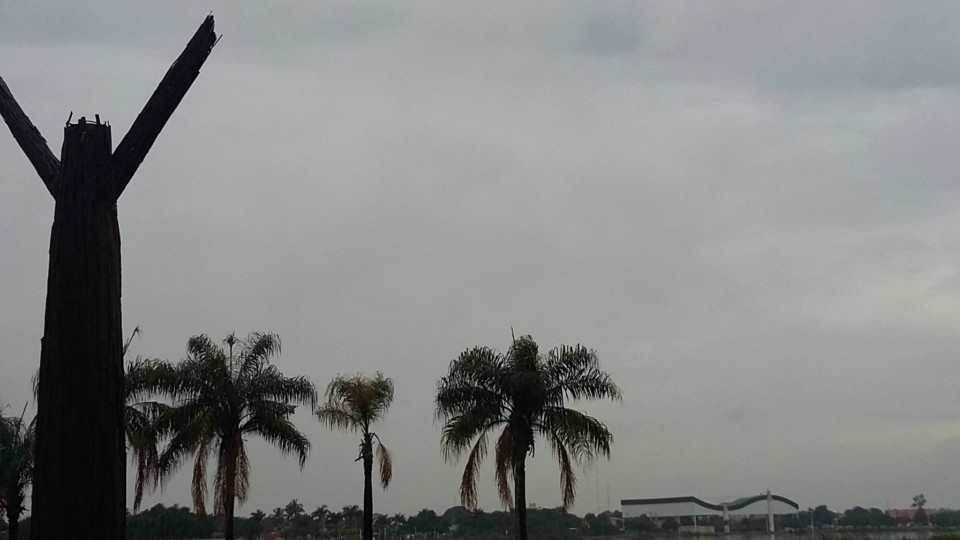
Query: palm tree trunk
[[367, 486], [229, 497], [520, 495], [80, 465]]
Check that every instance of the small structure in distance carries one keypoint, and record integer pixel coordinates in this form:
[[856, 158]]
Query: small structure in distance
[[689, 506]]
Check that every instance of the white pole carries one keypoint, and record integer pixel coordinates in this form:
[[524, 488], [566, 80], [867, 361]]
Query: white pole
[[769, 512]]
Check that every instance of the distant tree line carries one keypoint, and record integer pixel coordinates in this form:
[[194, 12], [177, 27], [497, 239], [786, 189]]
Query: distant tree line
[[293, 521]]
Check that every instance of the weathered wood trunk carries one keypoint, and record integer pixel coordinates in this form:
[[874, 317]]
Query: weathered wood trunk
[[79, 487], [79, 483]]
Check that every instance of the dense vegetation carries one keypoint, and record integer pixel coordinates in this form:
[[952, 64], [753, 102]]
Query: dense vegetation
[[293, 522]]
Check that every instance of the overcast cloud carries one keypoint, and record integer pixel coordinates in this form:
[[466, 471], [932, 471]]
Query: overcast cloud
[[750, 210]]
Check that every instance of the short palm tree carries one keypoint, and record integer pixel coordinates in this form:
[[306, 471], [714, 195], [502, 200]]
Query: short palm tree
[[16, 468], [920, 516], [220, 396], [140, 420], [526, 394], [356, 403]]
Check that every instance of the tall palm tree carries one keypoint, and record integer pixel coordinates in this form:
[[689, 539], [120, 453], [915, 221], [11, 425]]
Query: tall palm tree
[[219, 397], [16, 467], [355, 403], [526, 394]]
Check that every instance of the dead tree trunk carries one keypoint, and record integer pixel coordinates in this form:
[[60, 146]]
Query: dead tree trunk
[[80, 468], [79, 487]]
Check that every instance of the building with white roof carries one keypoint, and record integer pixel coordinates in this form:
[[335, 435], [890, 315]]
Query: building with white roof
[[766, 504]]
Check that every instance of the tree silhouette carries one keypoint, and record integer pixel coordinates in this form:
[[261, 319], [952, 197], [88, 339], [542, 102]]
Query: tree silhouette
[[80, 474], [525, 394], [920, 516], [16, 467], [220, 397], [356, 403]]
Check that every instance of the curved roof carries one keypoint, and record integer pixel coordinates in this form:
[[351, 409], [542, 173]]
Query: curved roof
[[735, 504]]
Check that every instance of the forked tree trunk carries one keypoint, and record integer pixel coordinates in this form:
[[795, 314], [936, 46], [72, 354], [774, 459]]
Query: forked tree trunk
[[79, 485]]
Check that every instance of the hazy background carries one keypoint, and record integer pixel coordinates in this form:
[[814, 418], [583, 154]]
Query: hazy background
[[750, 210]]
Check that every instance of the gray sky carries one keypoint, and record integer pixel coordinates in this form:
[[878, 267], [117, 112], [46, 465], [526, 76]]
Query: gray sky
[[748, 209]]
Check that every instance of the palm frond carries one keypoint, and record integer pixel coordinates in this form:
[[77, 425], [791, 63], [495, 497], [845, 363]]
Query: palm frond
[[460, 431], [17, 438], [261, 346], [523, 355], [475, 376], [574, 372], [232, 478], [568, 478], [585, 436], [190, 429], [385, 462], [285, 436], [198, 485], [503, 456], [471, 472], [143, 438], [336, 415], [243, 474], [270, 383]]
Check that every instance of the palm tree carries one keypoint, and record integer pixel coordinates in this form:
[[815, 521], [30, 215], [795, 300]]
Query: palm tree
[[525, 393], [920, 516], [293, 510], [349, 516], [319, 518], [140, 421], [355, 403], [219, 397], [16, 467]]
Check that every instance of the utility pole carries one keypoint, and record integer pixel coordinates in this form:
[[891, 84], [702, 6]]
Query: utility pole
[[79, 486]]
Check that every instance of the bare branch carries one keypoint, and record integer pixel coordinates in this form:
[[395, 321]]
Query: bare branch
[[31, 142], [131, 151]]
